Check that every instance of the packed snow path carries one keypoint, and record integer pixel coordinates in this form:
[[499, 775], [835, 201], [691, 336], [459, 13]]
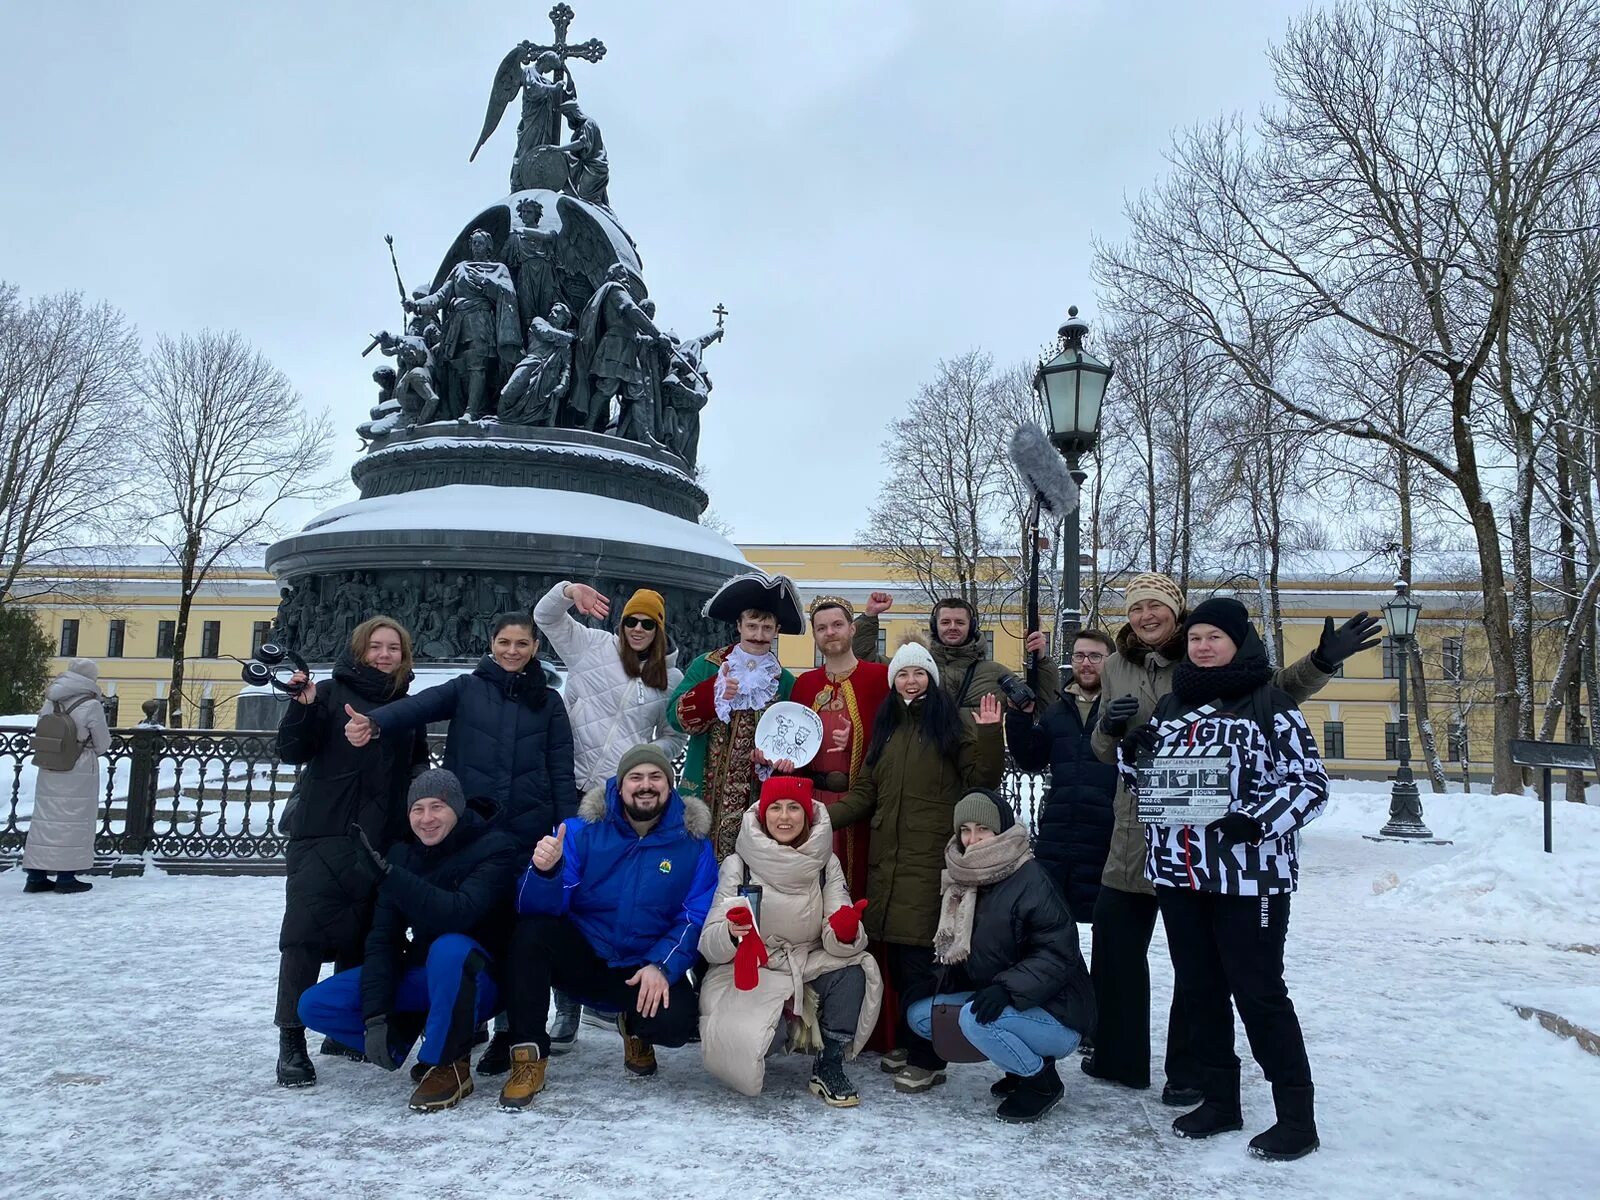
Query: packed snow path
[[139, 1061]]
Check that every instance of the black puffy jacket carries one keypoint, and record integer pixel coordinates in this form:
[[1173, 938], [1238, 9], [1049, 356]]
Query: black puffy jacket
[[327, 902], [1079, 812], [510, 744], [462, 885], [1024, 938]]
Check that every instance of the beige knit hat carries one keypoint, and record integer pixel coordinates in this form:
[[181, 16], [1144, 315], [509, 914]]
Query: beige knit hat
[[1152, 585]]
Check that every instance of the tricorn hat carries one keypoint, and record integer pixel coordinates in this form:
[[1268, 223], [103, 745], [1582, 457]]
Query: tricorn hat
[[775, 594]]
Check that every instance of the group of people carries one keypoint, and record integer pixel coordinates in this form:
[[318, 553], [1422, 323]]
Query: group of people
[[880, 895]]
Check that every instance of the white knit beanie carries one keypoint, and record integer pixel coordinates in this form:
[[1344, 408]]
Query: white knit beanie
[[913, 654]]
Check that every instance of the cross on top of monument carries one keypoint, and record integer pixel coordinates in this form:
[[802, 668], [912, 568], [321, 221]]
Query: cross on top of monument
[[719, 312], [561, 17]]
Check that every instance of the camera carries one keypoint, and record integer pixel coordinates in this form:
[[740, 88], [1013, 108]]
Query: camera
[[262, 671], [1019, 694]]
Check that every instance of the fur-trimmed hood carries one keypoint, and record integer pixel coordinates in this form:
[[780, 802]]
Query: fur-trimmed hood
[[694, 814], [1135, 651]]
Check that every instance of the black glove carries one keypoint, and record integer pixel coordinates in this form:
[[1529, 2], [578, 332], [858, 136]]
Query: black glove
[[1140, 742], [368, 861], [378, 1044], [988, 1003], [1361, 632], [1237, 827], [1119, 715]]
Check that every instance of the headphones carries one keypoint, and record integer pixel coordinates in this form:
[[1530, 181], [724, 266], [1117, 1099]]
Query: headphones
[[263, 670]]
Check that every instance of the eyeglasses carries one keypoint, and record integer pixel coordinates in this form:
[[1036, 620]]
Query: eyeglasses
[[644, 623], [1088, 656]]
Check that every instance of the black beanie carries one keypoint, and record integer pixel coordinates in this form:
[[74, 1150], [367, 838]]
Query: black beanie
[[1226, 613]]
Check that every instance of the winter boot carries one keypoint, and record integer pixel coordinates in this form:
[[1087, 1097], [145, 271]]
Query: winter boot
[[527, 1077], [337, 1049], [1090, 1067], [894, 1061], [1005, 1085], [1295, 1134], [496, 1060], [68, 884], [38, 881], [1219, 1111], [828, 1079], [1175, 1095], [563, 1026], [1033, 1096], [294, 1064], [444, 1086], [638, 1055], [918, 1079], [598, 1019]]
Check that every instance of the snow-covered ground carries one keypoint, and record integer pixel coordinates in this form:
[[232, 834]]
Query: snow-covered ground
[[138, 1060]]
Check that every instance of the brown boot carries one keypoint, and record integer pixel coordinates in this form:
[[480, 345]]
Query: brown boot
[[445, 1086], [638, 1055], [527, 1077]]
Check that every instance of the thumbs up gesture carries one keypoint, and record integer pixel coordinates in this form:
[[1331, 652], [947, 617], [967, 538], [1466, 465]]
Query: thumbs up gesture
[[358, 730], [548, 853]]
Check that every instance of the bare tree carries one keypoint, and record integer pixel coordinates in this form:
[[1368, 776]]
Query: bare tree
[[67, 402], [226, 444], [941, 512]]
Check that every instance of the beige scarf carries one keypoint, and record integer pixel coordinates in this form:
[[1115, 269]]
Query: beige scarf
[[964, 873]]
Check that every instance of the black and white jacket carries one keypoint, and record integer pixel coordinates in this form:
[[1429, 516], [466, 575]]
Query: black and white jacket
[[1281, 782]]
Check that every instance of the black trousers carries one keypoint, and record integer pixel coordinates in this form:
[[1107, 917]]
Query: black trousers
[[551, 952], [298, 969], [1231, 948], [1119, 967], [915, 976]]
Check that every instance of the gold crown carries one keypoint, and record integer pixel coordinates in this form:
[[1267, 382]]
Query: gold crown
[[830, 602]]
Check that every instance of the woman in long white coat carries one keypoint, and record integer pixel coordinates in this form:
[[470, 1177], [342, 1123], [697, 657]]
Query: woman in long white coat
[[795, 975], [66, 804]]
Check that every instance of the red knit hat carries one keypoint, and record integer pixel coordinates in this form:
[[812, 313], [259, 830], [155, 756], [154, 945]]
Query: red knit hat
[[784, 787]]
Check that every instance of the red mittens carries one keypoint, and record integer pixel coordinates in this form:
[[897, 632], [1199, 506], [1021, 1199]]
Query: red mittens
[[846, 923], [751, 954]]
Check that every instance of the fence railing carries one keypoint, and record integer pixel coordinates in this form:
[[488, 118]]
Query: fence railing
[[209, 801]]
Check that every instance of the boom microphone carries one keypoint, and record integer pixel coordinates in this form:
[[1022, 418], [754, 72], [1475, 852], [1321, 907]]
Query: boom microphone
[[1042, 470]]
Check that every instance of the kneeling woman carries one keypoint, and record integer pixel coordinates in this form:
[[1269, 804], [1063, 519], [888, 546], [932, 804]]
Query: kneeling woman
[[1009, 948], [1224, 889], [795, 974]]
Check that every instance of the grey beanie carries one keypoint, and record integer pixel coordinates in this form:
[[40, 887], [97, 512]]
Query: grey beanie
[[438, 784], [645, 752], [981, 807]]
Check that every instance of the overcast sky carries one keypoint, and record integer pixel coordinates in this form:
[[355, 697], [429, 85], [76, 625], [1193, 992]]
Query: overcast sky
[[867, 187]]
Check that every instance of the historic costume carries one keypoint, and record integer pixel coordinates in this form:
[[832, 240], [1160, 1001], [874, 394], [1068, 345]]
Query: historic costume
[[722, 731]]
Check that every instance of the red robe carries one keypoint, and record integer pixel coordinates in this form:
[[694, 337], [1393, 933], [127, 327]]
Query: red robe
[[851, 703]]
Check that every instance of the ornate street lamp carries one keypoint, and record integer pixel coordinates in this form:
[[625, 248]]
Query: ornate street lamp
[[1073, 384], [1405, 802]]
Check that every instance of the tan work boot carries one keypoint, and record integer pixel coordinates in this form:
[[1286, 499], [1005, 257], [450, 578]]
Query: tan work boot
[[527, 1077], [638, 1055], [445, 1086]]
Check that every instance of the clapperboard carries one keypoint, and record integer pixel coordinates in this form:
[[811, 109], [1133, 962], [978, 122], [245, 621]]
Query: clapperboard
[[1189, 786]]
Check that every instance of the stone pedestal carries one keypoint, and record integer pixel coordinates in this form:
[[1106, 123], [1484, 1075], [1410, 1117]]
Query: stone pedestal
[[459, 522]]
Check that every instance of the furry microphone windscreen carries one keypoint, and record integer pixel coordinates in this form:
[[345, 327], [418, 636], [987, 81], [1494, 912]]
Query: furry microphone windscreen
[[1042, 470]]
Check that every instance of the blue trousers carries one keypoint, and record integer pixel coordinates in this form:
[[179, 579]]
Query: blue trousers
[[1018, 1040], [454, 1001]]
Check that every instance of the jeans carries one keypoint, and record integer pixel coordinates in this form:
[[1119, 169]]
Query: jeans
[[1018, 1040], [454, 998]]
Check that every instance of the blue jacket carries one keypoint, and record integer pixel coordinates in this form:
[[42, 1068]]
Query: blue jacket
[[510, 743], [635, 899]]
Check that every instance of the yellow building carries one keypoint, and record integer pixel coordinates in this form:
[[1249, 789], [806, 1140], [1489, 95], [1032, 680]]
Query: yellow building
[[122, 616]]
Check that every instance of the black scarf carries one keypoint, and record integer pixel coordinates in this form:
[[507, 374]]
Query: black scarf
[[1248, 671], [368, 682], [528, 686]]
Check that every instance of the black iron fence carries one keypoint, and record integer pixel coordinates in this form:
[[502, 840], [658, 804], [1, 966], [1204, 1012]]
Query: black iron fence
[[207, 801]]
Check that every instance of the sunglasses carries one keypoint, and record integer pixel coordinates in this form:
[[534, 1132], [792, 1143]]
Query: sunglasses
[[644, 623]]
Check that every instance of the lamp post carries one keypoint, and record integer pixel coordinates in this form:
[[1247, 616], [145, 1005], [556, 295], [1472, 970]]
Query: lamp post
[[1405, 802], [1073, 385]]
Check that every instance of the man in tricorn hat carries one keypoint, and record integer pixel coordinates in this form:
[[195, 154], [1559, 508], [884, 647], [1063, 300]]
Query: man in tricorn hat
[[723, 694]]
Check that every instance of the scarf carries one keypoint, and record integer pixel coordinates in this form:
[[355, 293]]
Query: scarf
[[964, 873], [1248, 671], [757, 679]]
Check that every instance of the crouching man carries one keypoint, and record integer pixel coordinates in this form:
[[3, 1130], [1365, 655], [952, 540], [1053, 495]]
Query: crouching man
[[611, 912], [426, 964]]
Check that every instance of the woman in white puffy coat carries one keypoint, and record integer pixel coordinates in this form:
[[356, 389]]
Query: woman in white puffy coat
[[66, 804], [796, 976], [616, 697]]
